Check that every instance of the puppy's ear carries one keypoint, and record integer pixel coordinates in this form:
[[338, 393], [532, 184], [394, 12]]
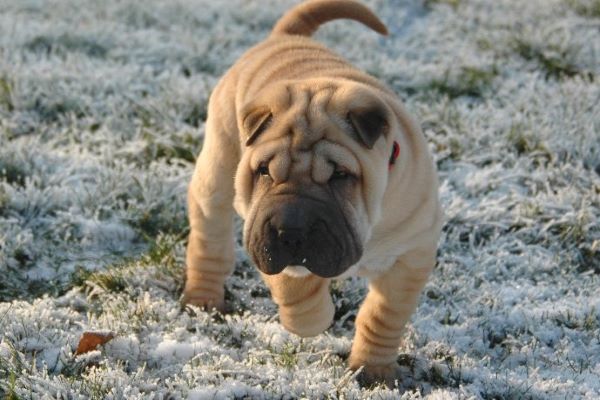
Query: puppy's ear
[[256, 122], [369, 123]]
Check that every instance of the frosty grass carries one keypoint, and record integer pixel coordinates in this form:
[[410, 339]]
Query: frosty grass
[[102, 110]]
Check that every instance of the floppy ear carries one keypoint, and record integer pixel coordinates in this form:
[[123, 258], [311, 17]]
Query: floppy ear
[[368, 123], [256, 122]]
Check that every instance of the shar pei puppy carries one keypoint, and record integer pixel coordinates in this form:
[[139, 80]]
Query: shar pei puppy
[[332, 178]]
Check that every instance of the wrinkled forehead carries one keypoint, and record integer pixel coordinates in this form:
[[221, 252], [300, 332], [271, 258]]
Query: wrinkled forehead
[[311, 111], [309, 117], [306, 132]]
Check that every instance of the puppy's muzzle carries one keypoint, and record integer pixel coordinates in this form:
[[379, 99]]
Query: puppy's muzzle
[[304, 232]]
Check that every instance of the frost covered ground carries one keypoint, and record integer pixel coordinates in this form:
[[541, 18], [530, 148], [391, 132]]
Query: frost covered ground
[[102, 108]]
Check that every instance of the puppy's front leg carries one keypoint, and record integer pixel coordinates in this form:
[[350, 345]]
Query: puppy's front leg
[[305, 305], [391, 300], [210, 253]]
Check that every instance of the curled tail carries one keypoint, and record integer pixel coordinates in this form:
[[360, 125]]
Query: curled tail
[[305, 18]]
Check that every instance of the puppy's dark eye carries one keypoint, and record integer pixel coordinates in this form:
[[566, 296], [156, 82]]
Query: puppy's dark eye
[[340, 174], [263, 170]]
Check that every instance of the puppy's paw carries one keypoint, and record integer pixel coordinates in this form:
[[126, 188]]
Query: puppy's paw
[[203, 299], [308, 322], [372, 375]]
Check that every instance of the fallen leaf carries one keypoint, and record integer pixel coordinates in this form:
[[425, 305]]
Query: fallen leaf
[[90, 340]]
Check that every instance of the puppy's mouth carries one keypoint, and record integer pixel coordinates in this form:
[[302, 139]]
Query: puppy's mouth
[[303, 232]]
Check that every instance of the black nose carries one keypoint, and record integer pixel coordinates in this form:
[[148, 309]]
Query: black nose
[[303, 231], [292, 239]]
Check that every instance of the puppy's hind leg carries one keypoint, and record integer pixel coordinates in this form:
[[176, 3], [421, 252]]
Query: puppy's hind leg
[[210, 252], [380, 322]]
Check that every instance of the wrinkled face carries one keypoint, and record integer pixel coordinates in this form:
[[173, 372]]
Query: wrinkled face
[[311, 177]]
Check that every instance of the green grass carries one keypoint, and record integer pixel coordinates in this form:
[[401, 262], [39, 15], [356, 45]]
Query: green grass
[[12, 173], [160, 259], [573, 231], [10, 371], [196, 114], [54, 109], [590, 321], [115, 278], [523, 141], [432, 3], [12, 382], [65, 43], [6, 93], [470, 81], [556, 63], [446, 131], [4, 199], [158, 147], [585, 8], [287, 357], [113, 290], [589, 258]]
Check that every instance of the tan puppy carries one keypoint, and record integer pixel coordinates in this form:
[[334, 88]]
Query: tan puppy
[[331, 177]]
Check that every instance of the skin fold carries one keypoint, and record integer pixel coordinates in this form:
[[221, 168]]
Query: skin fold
[[298, 143]]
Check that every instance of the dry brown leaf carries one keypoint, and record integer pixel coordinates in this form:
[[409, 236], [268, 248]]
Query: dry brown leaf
[[90, 340]]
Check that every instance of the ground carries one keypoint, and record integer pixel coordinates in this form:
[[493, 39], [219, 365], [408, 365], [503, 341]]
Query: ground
[[102, 110]]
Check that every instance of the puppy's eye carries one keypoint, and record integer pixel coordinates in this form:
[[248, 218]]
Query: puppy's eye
[[263, 170], [339, 174]]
